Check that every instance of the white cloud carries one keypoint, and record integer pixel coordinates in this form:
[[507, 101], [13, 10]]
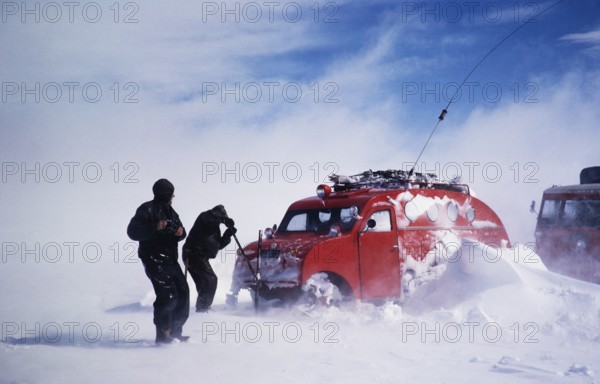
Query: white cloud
[[590, 40], [591, 37]]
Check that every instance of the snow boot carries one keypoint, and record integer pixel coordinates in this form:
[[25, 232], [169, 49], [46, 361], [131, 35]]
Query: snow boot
[[176, 333], [179, 336], [163, 336]]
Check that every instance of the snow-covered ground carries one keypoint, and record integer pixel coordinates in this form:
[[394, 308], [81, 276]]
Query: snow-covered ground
[[491, 317]]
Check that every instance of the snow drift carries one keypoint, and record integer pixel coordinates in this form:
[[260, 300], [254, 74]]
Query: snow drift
[[508, 287]]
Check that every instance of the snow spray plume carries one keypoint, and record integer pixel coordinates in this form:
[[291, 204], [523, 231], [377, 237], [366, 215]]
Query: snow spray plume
[[445, 110]]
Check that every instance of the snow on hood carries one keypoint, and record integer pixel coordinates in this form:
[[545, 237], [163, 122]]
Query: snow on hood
[[419, 204]]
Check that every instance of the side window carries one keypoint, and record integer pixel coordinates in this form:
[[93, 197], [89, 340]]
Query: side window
[[383, 222], [581, 213], [298, 222], [550, 209], [570, 213]]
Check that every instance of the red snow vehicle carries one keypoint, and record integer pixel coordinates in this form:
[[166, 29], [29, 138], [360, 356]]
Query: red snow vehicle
[[361, 237], [568, 228]]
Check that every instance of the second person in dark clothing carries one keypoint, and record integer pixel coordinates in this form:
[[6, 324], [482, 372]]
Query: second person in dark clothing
[[204, 243]]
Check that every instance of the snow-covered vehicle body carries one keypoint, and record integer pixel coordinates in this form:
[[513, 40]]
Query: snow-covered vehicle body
[[568, 228], [364, 234]]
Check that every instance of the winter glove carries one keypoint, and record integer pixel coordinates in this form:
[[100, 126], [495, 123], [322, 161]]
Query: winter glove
[[230, 231], [229, 223]]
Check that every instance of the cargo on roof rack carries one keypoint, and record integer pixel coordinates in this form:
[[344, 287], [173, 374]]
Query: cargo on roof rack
[[394, 179]]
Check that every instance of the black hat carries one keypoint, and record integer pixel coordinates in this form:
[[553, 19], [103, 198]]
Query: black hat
[[219, 210], [163, 190]]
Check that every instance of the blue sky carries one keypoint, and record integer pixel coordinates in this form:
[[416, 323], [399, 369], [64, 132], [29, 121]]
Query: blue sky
[[357, 85]]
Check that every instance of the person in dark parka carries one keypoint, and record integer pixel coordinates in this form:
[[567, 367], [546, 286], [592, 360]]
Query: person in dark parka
[[204, 243], [158, 229]]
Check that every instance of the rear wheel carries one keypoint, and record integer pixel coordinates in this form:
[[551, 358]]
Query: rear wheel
[[408, 282]]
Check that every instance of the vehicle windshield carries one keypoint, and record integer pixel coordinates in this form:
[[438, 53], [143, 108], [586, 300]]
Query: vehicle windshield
[[571, 213], [319, 220]]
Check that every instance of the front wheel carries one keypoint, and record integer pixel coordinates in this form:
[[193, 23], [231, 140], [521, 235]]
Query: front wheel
[[325, 289]]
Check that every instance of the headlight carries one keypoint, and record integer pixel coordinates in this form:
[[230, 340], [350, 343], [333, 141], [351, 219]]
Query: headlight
[[323, 191], [268, 233]]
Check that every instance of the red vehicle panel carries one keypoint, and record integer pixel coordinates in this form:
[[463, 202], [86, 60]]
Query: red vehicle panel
[[364, 235]]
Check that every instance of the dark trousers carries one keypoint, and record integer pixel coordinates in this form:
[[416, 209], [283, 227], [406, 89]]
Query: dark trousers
[[172, 304], [206, 282]]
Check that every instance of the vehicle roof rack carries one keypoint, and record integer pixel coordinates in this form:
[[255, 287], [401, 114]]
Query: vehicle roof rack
[[394, 179]]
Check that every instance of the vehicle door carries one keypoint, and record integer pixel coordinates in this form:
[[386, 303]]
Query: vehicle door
[[379, 261]]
